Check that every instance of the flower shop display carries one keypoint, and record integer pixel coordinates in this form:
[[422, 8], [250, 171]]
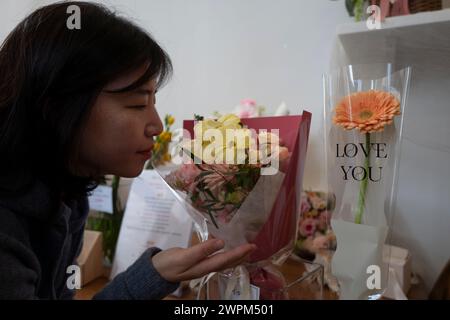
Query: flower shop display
[[364, 108], [240, 180], [316, 241], [314, 223]]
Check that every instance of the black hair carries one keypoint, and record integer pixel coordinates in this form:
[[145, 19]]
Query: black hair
[[50, 77]]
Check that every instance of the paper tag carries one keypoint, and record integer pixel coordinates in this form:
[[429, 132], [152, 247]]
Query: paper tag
[[254, 292], [101, 199]]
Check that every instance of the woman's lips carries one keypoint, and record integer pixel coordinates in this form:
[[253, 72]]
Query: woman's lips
[[145, 153], [147, 150]]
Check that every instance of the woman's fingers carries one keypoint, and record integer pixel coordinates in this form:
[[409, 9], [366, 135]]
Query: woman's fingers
[[219, 261], [200, 251]]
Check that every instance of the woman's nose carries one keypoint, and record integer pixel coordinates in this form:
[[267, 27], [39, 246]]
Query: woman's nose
[[153, 129]]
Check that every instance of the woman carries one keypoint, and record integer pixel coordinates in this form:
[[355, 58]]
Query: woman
[[76, 104]]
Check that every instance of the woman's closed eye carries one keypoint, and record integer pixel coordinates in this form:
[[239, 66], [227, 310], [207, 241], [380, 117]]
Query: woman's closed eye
[[137, 106]]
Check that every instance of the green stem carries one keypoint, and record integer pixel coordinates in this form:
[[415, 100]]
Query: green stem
[[359, 5], [363, 186]]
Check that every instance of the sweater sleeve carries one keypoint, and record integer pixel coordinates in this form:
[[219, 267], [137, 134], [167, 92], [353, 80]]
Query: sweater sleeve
[[141, 281], [19, 270]]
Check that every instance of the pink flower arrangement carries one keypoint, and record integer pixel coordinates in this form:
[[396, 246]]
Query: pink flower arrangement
[[216, 190], [314, 223]]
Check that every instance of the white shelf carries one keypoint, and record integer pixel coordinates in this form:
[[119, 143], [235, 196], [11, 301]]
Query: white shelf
[[412, 20], [421, 39]]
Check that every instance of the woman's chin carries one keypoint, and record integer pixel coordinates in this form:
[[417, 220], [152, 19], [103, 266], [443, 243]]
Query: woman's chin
[[132, 172]]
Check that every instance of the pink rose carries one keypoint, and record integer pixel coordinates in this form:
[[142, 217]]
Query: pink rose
[[248, 102], [324, 220], [284, 156], [247, 109], [184, 177], [308, 227], [188, 172], [305, 206]]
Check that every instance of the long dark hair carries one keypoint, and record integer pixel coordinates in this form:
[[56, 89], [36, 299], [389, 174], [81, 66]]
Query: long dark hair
[[50, 76]]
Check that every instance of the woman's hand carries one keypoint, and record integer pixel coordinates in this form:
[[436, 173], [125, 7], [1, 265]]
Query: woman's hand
[[178, 264]]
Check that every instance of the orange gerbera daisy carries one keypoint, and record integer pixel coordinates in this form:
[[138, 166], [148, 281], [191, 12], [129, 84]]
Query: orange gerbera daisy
[[367, 111]]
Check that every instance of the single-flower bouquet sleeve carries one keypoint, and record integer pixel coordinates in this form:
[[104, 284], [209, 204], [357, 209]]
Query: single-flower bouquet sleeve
[[364, 108], [240, 179]]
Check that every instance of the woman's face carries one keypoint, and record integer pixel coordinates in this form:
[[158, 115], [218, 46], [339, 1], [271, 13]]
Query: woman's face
[[118, 136]]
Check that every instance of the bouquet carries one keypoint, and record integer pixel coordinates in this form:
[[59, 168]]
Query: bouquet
[[364, 110], [240, 179], [314, 229]]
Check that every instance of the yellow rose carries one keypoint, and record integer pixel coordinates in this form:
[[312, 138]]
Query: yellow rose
[[219, 150], [230, 121], [201, 127]]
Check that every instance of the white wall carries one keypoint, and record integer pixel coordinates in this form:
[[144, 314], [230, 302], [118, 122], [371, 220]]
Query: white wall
[[11, 12]]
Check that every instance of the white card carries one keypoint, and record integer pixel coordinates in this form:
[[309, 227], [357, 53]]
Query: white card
[[153, 218], [101, 199]]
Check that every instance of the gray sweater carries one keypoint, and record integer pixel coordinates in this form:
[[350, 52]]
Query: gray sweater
[[40, 239]]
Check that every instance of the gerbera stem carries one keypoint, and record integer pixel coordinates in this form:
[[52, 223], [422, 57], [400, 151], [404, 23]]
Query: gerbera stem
[[363, 186]]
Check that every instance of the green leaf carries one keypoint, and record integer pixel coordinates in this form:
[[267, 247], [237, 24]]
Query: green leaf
[[213, 220], [208, 192], [202, 175], [350, 6]]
